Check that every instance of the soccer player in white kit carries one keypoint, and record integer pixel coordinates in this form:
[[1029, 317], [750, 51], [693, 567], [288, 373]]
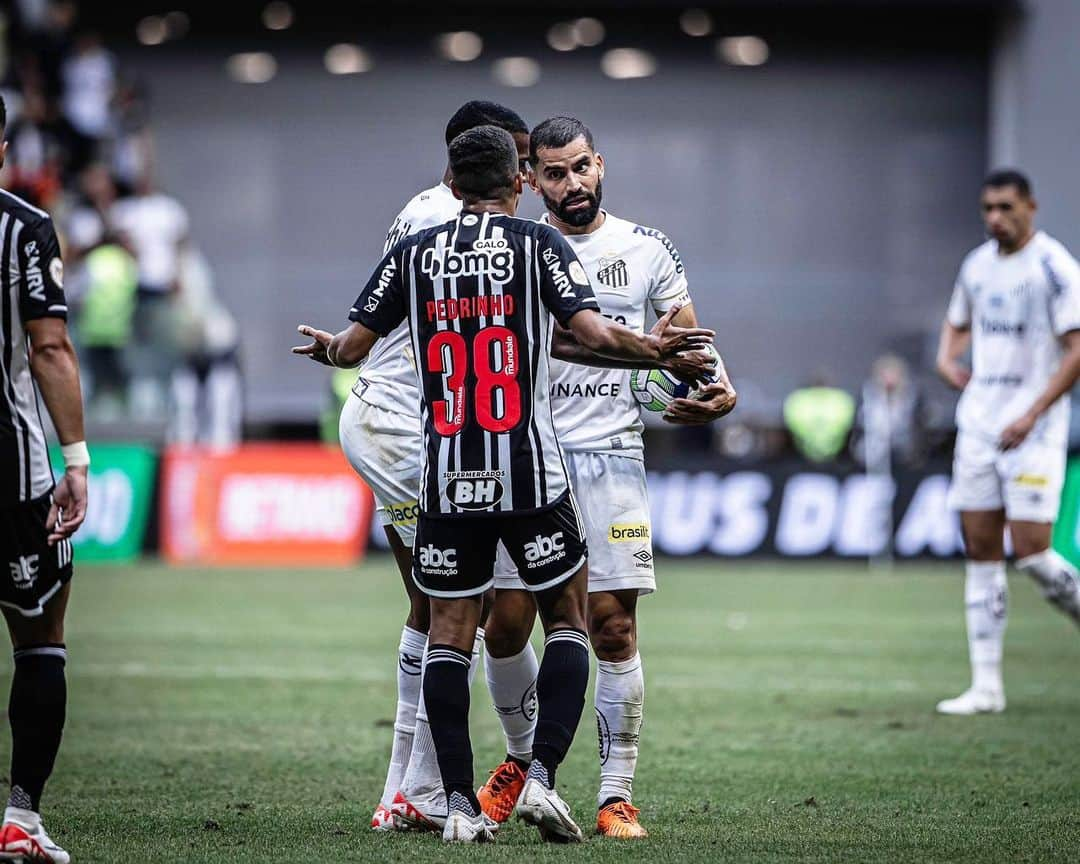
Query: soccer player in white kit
[[631, 268], [379, 431], [1017, 303]]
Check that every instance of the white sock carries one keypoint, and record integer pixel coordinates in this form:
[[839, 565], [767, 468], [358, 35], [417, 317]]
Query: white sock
[[422, 775], [409, 665], [477, 653], [1057, 578], [986, 595], [620, 698], [512, 684]]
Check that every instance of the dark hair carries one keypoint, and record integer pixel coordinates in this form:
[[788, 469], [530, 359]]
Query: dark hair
[[3, 113], [484, 162], [478, 113], [1009, 177], [557, 132]]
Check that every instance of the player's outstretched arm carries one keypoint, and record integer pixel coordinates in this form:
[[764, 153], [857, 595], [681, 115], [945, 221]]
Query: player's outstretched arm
[[55, 368], [665, 342], [344, 350], [1060, 383], [952, 344]]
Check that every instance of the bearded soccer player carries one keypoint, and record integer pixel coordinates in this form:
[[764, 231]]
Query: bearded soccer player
[[632, 268], [381, 437], [1017, 304], [37, 514], [479, 293]]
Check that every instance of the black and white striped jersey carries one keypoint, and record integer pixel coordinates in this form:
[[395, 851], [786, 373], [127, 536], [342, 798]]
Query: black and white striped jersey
[[478, 293], [31, 280]]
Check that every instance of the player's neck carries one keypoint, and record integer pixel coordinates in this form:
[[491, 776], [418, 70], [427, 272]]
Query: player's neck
[[566, 228], [1016, 247], [505, 206]]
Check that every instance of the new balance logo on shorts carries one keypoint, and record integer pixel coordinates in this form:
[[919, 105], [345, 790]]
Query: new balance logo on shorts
[[543, 550]]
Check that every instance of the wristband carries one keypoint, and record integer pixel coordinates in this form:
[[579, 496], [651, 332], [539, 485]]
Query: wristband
[[330, 357], [75, 455]]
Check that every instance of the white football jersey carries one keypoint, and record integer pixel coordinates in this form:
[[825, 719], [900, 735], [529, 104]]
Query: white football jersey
[[631, 268], [388, 376], [1017, 306]]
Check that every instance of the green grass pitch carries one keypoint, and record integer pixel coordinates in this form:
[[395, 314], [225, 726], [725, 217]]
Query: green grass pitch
[[243, 716]]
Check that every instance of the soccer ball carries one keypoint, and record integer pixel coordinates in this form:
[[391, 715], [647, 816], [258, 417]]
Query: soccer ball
[[655, 389]]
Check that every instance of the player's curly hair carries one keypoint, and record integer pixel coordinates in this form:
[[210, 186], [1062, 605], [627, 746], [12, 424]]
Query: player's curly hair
[[557, 132], [480, 113], [484, 162]]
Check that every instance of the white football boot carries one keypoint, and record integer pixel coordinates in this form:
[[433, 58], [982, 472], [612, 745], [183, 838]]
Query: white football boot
[[422, 811], [23, 838], [460, 827], [543, 808], [974, 701]]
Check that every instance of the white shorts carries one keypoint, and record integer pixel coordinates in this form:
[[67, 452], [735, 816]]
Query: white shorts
[[384, 447], [1026, 482], [613, 503]]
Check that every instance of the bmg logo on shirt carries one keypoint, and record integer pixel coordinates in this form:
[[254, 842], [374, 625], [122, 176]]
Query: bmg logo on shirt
[[491, 258]]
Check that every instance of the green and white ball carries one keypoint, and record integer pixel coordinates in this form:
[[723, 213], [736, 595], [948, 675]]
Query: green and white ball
[[655, 389]]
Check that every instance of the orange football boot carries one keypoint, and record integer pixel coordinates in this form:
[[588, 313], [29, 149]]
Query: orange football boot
[[620, 820], [499, 795]]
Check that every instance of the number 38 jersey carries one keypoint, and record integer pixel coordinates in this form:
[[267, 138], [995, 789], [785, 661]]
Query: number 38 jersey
[[478, 293]]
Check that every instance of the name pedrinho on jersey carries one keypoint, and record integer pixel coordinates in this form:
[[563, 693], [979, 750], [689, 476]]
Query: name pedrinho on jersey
[[1017, 306], [632, 268], [479, 293], [388, 375]]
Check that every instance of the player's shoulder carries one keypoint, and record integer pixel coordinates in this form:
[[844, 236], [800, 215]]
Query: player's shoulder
[[652, 239], [1053, 251], [430, 207], [531, 228], [985, 254], [23, 211]]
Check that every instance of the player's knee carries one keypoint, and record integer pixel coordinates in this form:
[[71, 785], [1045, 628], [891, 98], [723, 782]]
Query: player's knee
[[613, 635], [419, 617], [984, 547], [504, 638]]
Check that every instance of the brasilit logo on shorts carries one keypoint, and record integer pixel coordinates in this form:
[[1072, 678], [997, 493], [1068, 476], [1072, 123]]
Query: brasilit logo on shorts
[[628, 532]]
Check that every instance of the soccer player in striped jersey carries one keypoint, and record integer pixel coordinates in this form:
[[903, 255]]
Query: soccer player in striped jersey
[[632, 268], [479, 294], [379, 432], [37, 515]]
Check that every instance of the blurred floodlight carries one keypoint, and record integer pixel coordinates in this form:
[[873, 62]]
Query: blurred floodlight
[[277, 15], [345, 59], [152, 30], [743, 50], [588, 32], [177, 24], [516, 71], [562, 37], [252, 67], [628, 63], [696, 22], [461, 46]]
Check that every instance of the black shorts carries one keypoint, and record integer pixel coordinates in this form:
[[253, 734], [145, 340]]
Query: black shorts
[[33, 570], [455, 556]]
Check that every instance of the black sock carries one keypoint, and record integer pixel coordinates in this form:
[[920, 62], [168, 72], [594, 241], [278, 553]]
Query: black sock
[[446, 696], [560, 694], [36, 712], [614, 799], [521, 763]]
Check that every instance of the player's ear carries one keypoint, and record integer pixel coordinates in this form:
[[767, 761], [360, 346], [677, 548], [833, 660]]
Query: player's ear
[[3, 152], [455, 190], [519, 187], [534, 181], [600, 166]]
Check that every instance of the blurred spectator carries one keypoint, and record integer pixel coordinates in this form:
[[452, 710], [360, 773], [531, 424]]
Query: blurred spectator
[[890, 421], [88, 77], [819, 418], [156, 227], [207, 398], [104, 327], [89, 220], [34, 162], [131, 149]]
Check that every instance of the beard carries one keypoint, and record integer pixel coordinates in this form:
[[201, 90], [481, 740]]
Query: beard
[[577, 218]]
